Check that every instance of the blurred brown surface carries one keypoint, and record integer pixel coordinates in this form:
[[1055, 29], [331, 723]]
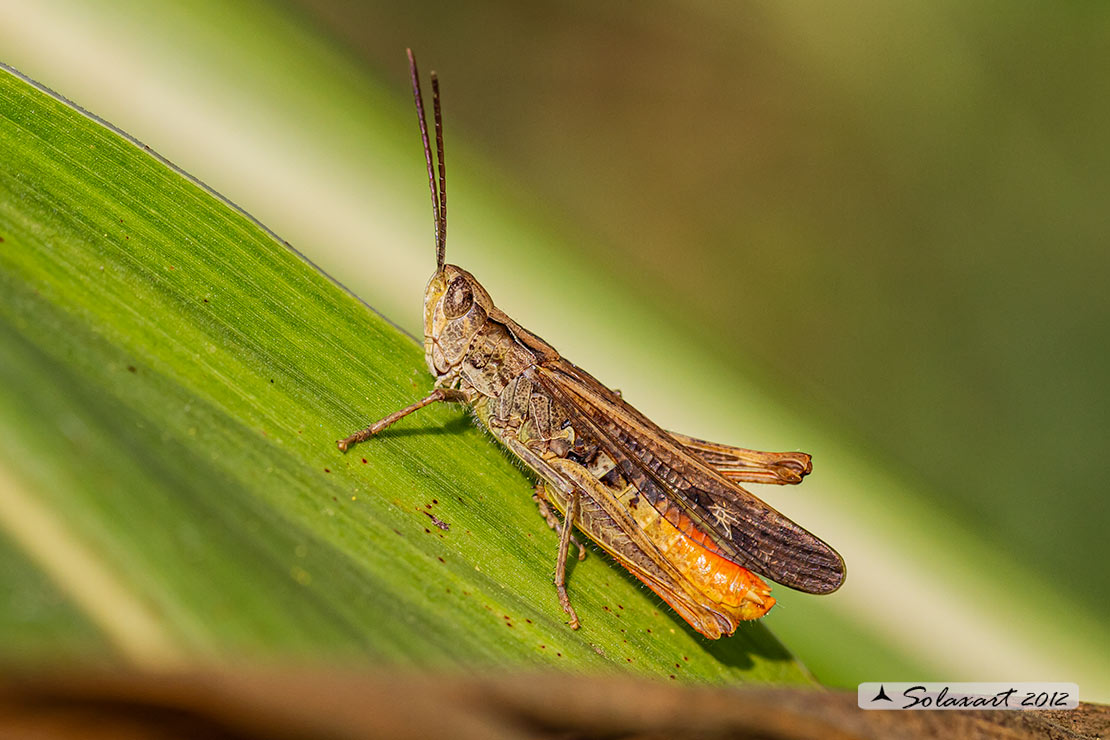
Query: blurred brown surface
[[289, 703]]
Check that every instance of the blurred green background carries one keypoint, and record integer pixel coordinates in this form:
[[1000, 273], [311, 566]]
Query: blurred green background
[[874, 233]]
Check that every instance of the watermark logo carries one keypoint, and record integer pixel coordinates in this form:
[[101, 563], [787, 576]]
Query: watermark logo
[[940, 695]]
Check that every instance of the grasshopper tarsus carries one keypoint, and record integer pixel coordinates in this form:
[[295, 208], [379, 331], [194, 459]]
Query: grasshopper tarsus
[[564, 600]]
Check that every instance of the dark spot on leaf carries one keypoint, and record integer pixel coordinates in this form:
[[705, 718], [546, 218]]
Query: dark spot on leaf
[[206, 300], [131, 369], [398, 533], [172, 267], [434, 501], [508, 624], [427, 531], [444, 562], [629, 659], [559, 654], [327, 470], [672, 676], [364, 461], [619, 606], [271, 380], [529, 621], [543, 647], [685, 658], [649, 630]]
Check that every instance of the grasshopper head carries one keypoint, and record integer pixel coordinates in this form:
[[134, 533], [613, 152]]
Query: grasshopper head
[[456, 307]]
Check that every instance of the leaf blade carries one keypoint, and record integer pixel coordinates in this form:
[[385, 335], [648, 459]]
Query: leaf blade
[[180, 379]]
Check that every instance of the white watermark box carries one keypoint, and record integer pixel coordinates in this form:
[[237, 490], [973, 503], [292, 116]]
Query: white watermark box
[[967, 695]]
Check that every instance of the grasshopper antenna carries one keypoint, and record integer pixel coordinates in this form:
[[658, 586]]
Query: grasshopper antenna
[[439, 197], [442, 231]]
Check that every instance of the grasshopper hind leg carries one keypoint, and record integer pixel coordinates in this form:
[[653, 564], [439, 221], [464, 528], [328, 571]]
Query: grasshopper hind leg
[[540, 497], [566, 537], [561, 563]]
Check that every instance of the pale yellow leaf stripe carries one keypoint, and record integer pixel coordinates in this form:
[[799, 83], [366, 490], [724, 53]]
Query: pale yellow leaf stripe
[[131, 625]]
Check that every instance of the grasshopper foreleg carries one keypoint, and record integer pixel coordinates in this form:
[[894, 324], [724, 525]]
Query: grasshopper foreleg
[[561, 563], [439, 394], [553, 521]]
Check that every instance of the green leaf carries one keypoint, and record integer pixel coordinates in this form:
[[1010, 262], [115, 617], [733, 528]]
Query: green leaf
[[173, 381]]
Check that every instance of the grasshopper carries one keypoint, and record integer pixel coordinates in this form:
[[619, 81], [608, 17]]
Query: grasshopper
[[666, 506]]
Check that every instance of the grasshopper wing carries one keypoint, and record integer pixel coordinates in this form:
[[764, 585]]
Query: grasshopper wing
[[749, 466], [689, 492]]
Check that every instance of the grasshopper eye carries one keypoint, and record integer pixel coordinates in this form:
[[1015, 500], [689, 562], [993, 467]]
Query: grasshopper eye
[[458, 298]]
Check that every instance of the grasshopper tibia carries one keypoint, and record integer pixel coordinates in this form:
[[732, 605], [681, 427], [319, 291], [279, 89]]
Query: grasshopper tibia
[[561, 563], [439, 394], [553, 521]]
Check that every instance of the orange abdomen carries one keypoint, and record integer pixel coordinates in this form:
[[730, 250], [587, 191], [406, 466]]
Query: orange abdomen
[[709, 582]]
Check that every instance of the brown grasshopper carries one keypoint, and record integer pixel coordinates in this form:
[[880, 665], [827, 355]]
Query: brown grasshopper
[[667, 507]]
